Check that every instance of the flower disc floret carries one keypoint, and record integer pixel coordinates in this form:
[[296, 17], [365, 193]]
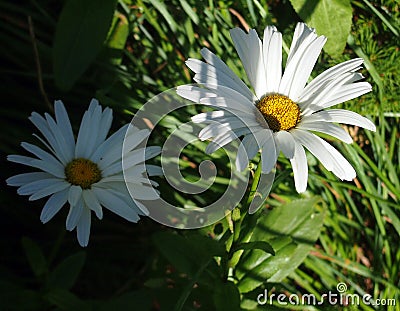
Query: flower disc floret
[[82, 172], [280, 112]]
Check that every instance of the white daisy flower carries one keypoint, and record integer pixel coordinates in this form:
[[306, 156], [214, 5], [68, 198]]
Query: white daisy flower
[[284, 110], [86, 174]]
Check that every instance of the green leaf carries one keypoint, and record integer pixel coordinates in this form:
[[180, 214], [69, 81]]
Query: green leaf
[[116, 39], [189, 11], [80, 33], [266, 247], [330, 18], [35, 256], [226, 297], [292, 230], [66, 273], [67, 301]]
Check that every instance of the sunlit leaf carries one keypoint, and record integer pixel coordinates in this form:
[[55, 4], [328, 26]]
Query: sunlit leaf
[[330, 18], [292, 230]]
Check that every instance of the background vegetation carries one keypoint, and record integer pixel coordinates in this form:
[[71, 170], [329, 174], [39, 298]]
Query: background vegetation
[[135, 266]]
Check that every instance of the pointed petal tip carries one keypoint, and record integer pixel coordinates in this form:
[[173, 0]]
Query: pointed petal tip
[[44, 218], [8, 181]]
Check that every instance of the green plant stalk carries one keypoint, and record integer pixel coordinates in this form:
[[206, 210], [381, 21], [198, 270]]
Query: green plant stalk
[[235, 255]]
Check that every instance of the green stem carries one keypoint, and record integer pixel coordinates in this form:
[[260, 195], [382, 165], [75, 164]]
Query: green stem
[[235, 255], [254, 185]]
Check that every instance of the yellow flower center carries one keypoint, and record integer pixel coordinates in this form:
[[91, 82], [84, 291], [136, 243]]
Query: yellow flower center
[[280, 112], [82, 172]]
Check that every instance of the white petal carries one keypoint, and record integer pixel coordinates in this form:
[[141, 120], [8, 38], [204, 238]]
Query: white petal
[[327, 128], [111, 149], [83, 227], [318, 83], [225, 138], [272, 51], [341, 116], [53, 205], [221, 67], [141, 192], [269, 155], [211, 115], [229, 104], [55, 169], [98, 131], [209, 75], [40, 153], [298, 70], [63, 151], [143, 181], [331, 91], [142, 208], [56, 186], [242, 158], [64, 123], [222, 116], [196, 94], [105, 125], [133, 172], [328, 155], [22, 179], [154, 170], [342, 168], [302, 36], [91, 202], [86, 134], [134, 138], [247, 150], [215, 129], [74, 214], [115, 204], [331, 87], [345, 93], [75, 193], [284, 141], [300, 168], [133, 158], [249, 49], [36, 185], [116, 168], [42, 125], [314, 144]]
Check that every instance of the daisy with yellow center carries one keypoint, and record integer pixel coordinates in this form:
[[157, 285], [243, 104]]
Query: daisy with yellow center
[[87, 174], [283, 110]]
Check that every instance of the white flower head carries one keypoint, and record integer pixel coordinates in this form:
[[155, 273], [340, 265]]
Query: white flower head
[[283, 110], [87, 173]]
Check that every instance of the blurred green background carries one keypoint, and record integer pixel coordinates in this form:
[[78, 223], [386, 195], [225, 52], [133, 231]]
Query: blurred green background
[[135, 50]]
